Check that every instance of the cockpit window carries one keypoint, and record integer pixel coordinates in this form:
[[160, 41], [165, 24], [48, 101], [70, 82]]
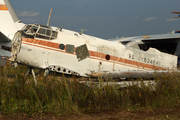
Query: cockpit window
[[40, 31], [48, 32], [26, 27], [32, 30]]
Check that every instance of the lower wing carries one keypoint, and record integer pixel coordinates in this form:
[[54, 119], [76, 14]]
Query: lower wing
[[131, 74]]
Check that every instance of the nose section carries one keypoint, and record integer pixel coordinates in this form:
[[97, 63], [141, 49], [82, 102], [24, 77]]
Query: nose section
[[16, 45]]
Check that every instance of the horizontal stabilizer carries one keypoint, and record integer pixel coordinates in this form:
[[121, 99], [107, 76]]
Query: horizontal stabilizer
[[4, 38]]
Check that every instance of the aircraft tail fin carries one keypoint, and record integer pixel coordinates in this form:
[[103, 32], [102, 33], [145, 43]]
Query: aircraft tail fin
[[9, 22]]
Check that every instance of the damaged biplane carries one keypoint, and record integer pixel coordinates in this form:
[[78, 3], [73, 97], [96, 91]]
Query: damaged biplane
[[65, 51]]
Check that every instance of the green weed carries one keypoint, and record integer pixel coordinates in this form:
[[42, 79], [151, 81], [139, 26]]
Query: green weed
[[61, 96]]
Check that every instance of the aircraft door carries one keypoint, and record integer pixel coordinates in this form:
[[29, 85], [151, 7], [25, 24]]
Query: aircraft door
[[107, 57]]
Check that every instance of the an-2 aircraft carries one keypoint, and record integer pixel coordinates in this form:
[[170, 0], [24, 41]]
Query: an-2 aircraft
[[65, 51]]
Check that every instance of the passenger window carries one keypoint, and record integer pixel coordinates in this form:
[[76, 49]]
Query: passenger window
[[70, 48]]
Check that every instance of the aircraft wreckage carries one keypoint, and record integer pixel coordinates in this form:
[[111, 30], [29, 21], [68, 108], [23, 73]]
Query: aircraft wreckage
[[65, 51]]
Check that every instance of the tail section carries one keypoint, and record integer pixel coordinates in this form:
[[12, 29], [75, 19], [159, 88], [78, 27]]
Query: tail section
[[9, 25], [9, 22]]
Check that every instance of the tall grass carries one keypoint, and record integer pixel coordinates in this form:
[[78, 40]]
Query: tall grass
[[61, 96]]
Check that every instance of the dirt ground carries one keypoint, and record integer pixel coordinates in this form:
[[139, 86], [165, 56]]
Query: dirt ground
[[157, 114]]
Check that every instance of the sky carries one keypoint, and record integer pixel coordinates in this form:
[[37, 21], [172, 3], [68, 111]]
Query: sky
[[103, 18]]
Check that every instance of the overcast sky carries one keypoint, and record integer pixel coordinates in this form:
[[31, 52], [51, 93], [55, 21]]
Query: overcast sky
[[103, 18]]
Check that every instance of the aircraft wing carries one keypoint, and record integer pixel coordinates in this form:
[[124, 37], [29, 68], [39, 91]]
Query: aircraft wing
[[147, 38], [4, 38], [168, 43], [130, 74]]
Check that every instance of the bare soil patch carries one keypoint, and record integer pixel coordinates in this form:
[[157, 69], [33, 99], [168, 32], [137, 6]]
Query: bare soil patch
[[156, 114]]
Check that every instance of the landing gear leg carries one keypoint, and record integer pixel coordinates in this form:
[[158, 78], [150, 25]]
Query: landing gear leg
[[34, 77], [32, 71], [27, 72]]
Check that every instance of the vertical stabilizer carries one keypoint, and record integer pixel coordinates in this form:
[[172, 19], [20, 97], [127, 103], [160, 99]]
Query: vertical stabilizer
[[9, 22], [9, 25], [11, 11]]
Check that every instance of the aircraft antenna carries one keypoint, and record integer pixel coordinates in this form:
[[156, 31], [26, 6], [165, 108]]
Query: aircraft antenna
[[49, 17], [82, 31]]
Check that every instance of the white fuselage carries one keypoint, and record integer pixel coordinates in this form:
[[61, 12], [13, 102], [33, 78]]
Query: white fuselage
[[103, 55], [70, 52]]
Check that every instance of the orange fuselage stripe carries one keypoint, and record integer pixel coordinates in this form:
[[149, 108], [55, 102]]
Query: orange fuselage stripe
[[99, 56], [3, 7]]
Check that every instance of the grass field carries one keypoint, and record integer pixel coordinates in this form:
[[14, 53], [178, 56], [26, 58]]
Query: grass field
[[59, 95]]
